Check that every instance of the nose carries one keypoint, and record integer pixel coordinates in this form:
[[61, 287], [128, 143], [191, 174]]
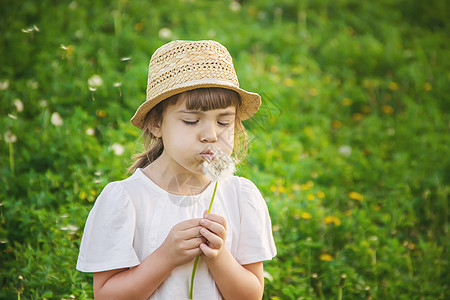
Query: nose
[[208, 134]]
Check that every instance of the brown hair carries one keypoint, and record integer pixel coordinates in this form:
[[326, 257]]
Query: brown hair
[[203, 99]]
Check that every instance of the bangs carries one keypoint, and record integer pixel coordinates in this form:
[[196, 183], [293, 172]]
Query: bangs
[[205, 99]]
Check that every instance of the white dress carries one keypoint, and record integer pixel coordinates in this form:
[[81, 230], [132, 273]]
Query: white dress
[[131, 219]]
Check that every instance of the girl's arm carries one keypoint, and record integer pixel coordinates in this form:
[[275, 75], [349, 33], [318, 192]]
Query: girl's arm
[[235, 281], [180, 247]]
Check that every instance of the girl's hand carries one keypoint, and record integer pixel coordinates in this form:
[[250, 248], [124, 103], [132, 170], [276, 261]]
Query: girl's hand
[[215, 232], [182, 243]]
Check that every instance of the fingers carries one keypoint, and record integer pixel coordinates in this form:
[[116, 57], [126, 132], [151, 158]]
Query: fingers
[[216, 224]]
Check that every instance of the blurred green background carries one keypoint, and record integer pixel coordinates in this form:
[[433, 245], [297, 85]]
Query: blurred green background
[[350, 148]]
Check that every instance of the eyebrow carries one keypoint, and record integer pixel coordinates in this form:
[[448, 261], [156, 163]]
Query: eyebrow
[[198, 112]]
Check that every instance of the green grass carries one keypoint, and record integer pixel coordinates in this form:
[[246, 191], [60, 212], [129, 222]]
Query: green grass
[[350, 148]]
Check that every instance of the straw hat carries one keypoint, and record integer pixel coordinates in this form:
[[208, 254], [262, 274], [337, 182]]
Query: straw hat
[[181, 66]]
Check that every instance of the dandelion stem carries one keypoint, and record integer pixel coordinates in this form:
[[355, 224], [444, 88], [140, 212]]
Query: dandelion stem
[[11, 157], [194, 269], [212, 198]]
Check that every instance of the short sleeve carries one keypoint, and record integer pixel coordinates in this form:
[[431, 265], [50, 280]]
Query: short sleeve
[[107, 241], [255, 238]]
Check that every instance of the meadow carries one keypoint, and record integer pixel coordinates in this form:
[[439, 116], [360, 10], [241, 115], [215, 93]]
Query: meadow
[[350, 147]]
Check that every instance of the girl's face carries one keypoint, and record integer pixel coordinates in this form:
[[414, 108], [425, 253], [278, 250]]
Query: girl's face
[[189, 136]]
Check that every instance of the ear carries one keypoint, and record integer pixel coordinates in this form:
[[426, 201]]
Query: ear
[[155, 129]]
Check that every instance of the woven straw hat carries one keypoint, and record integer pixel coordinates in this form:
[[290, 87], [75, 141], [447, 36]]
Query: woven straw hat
[[181, 66]]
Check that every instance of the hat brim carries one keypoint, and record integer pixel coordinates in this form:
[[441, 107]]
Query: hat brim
[[250, 101]]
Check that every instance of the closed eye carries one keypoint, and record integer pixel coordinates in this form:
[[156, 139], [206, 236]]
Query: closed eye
[[224, 124], [190, 122]]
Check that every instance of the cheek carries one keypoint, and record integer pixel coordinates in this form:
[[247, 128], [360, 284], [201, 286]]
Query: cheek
[[227, 140]]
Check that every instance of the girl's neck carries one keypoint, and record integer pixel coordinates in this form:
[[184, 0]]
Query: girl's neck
[[178, 182]]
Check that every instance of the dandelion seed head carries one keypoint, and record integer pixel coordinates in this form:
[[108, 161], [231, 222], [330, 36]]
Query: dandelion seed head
[[56, 119], [221, 167], [10, 137], [95, 81], [43, 103], [18, 104], [345, 150], [90, 131], [4, 85], [118, 149], [235, 6], [165, 33]]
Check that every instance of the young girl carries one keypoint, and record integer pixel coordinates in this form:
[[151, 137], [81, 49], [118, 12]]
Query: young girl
[[144, 232]]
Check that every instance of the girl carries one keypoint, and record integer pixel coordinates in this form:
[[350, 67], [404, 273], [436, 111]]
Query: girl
[[143, 233]]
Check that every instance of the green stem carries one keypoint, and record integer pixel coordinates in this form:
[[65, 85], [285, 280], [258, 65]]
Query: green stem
[[11, 157], [194, 269], [212, 198]]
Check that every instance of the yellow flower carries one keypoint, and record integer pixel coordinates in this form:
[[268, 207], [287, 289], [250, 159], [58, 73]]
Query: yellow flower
[[346, 101], [387, 109], [331, 219], [273, 188], [313, 92], [356, 196], [336, 124], [320, 194], [310, 197], [393, 86], [296, 187], [282, 189], [427, 87], [357, 117], [365, 109], [305, 216], [326, 257], [288, 82]]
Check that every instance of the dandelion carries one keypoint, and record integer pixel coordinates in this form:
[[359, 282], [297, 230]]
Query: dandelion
[[345, 150], [313, 92], [336, 124], [43, 103], [310, 197], [72, 229], [217, 166], [331, 220], [235, 6], [427, 87], [165, 33], [356, 196], [33, 84], [357, 117], [320, 194], [305, 215], [18, 104], [393, 86], [56, 119], [118, 149], [387, 109], [95, 81], [288, 82], [4, 85], [347, 102], [10, 137], [326, 257], [90, 131]]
